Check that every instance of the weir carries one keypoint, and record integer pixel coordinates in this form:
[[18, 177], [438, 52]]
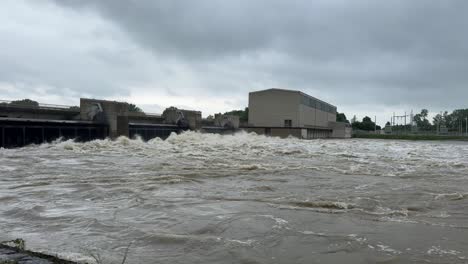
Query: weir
[[22, 125], [17, 132]]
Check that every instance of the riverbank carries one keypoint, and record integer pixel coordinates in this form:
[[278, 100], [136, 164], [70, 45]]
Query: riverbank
[[14, 255], [411, 137]]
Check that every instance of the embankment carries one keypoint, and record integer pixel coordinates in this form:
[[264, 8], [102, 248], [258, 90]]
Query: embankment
[[411, 137]]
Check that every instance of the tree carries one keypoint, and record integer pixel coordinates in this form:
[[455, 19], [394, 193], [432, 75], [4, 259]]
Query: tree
[[421, 120], [242, 114], [74, 108], [341, 117], [134, 108], [25, 102], [367, 124], [455, 119], [388, 123], [366, 119]]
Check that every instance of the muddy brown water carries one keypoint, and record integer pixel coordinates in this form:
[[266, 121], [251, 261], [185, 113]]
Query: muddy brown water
[[202, 198]]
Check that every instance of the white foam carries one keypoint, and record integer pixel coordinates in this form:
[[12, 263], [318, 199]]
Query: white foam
[[280, 222], [387, 249], [437, 250]]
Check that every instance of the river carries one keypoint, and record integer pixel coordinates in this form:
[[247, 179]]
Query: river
[[205, 198]]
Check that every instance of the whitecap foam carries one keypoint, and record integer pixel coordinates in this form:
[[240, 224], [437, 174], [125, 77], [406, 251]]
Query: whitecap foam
[[437, 250]]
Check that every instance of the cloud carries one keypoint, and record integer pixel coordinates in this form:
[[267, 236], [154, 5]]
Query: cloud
[[363, 56]]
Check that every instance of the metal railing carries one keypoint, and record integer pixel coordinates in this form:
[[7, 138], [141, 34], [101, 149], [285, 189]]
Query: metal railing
[[71, 108], [13, 104]]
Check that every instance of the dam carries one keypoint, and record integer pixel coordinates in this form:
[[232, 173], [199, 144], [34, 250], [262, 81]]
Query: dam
[[33, 123]]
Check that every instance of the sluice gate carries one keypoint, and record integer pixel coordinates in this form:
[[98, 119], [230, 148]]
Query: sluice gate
[[150, 131], [17, 132], [35, 123]]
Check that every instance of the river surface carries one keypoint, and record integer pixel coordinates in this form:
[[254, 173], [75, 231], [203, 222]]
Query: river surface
[[203, 198]]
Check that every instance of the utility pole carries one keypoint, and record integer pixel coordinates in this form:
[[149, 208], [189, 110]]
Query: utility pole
[[375, 124], [405, 122]]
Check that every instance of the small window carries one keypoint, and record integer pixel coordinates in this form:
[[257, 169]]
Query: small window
[[288, 123]]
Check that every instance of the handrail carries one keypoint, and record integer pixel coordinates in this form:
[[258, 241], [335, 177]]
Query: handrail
[[6, 103]]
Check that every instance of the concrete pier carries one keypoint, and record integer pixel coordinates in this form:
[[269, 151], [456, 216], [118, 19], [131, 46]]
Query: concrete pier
[[36, 123]]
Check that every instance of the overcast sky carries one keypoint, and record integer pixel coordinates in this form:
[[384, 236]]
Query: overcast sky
[[366, 57]]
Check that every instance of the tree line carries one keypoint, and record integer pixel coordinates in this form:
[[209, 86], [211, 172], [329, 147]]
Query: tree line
[[452, 121]]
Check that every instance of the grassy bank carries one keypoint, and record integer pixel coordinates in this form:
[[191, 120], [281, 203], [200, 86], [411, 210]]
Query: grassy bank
[[411, 137]]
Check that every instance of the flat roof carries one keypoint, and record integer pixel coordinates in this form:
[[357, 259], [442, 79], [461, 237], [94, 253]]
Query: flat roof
[[291, 91], [34, 120]]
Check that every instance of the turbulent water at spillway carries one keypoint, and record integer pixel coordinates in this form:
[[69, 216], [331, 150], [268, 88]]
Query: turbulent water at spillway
[[203, 198]]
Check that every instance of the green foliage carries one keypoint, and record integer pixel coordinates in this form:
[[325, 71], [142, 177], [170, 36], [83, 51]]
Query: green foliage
[[456, 119], [16, 243], [74, 108], [453, 121], [367, 124], [341, 117], [242, 114], [421, 120], [134, 108], [410, 137], [25, 102]]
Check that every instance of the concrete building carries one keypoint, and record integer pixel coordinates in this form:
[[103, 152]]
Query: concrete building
[[279, 112]]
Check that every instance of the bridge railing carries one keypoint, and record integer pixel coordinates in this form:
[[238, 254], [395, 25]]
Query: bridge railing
[[14, 104]]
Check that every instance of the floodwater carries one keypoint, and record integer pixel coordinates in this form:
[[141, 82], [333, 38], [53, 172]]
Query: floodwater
[[202, 198]]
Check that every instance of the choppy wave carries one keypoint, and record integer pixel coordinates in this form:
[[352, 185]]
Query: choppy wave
[[205, 195]]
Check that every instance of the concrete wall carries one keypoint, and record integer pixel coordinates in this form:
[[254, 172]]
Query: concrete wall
[[257, 130], [271, 107], [142, 118], [194, 119], [122, 126], [341, 130], [173, 116], [309, 116], [277, 132], [286, 132], [38, 113], [110, 111], [228, 121], [318, 133]]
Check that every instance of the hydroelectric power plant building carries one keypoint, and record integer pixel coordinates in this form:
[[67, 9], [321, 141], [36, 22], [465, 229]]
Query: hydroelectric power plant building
[[274, 112], [283, 113]]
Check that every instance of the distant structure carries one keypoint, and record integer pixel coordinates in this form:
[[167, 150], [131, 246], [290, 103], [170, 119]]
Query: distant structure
[[283, 113], [23, 124]]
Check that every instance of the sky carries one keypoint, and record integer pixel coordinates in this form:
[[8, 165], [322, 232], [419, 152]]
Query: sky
[[367, 57]]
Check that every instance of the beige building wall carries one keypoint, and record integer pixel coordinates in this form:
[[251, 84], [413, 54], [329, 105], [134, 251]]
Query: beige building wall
[[341, 130], [310, 116], [271, 108], [313, 117], [286, 132], [322, 118], [307, 116]]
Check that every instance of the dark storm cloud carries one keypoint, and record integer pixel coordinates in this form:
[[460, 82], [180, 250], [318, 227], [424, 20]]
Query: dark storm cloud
[[406, 51], [360, 54]]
